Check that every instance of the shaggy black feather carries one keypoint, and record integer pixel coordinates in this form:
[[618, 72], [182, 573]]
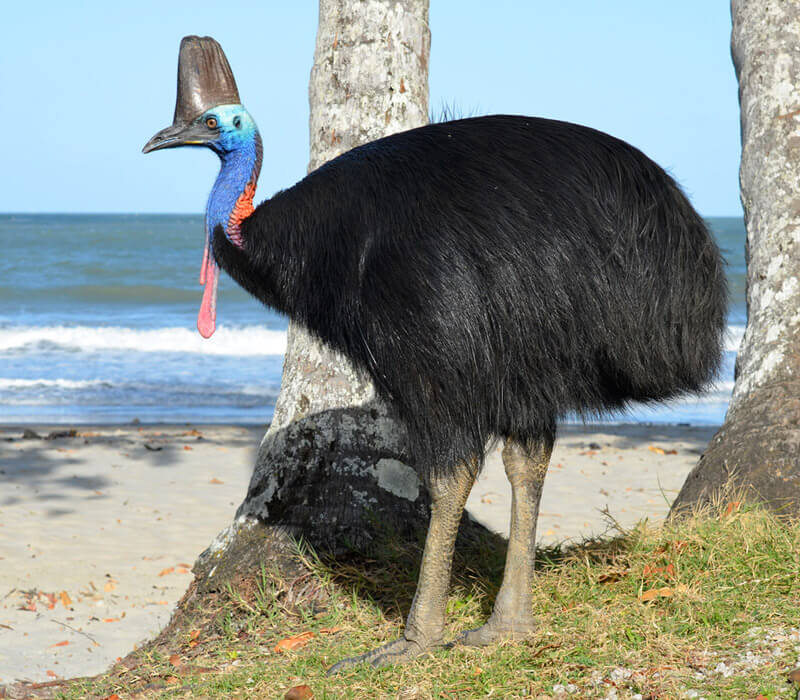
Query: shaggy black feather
[[493, 274]]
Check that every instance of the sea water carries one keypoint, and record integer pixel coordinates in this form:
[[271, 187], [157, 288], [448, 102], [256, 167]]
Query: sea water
[[98, 314]]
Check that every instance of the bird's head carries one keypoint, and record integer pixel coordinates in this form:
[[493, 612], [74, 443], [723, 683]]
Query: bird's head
[[224, 128], [208, 112]]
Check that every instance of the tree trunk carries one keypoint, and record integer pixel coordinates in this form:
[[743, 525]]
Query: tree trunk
[[758, 447], [331, 464]]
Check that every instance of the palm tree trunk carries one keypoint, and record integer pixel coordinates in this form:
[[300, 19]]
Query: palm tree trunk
[[331, 463], [758, 447]]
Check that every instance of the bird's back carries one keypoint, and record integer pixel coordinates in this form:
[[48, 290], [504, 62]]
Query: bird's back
[[495, 273]]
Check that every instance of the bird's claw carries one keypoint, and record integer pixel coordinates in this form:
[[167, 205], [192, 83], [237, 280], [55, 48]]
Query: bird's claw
[[396, 652], [494, 632]]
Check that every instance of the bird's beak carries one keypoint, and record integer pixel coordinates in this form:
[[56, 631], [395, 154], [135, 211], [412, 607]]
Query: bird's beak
[[179, 135]]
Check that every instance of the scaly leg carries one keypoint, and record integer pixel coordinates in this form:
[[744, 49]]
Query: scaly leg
[[425, 624], [512, 617]]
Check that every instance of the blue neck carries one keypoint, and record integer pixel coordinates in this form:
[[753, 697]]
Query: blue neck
[[240, 166]]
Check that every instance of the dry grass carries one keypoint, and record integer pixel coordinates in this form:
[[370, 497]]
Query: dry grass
[[706, 607]]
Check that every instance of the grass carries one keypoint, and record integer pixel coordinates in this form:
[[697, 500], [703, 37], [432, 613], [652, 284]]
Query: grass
[[705, 607]]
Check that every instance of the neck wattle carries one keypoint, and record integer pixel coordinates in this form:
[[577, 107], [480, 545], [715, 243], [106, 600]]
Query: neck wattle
[[230, 203]]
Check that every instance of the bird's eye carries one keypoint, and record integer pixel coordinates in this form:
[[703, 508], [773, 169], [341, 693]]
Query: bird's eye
[[237, 122], [211, 122]]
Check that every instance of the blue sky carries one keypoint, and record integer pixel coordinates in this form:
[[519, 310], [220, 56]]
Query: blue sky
[[87, 83]]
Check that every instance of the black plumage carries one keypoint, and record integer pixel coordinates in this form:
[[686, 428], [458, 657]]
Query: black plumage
[[493, 275]]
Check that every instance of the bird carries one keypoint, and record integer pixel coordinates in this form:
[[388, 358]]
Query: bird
[[492, 275]]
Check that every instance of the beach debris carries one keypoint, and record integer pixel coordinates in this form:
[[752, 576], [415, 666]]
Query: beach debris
[[29, 434], [153, 448], [214, 480], [58, 434], [299, 692], [63, 643], [291, 643], [661, 450]]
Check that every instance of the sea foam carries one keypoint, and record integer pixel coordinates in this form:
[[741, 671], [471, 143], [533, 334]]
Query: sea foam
[[245, 340]]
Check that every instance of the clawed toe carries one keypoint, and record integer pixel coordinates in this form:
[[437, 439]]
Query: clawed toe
[[494, 632], [396, 652]]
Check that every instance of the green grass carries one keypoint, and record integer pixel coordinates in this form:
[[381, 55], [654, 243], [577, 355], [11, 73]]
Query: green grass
[[729, 595]]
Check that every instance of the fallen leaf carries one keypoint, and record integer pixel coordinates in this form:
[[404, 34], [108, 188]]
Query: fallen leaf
[[733, 506], [168, 570], [611, 575], [60, 644], [110, 586], [650, 570], [216, 481], [299, 692], [171, 680], [175, 660], [477, 671], [182, 570], [295, 642], [330, 630], [110, 619], [186, 447], [52, 674], [194, 634], [654, 593], [66, 601], [185, 566], [655, 449], [113, 696]]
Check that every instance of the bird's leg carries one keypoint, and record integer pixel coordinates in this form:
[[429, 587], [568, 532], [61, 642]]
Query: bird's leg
[[425, 624], [512, 617]]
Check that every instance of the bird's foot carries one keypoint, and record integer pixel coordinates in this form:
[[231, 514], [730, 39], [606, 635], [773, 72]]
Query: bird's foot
[[397, 652], [495, 631]]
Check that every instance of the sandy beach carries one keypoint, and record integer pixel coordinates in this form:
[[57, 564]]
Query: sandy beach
[[99, 529]]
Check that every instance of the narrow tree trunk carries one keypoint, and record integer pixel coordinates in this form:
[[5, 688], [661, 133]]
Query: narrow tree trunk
[[331, 464], [758, 447]]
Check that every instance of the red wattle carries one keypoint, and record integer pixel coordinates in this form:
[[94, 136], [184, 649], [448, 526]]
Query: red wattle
[[205, 262], [207, 317]]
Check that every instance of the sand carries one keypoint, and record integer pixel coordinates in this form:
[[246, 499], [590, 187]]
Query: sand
[[98, 531]]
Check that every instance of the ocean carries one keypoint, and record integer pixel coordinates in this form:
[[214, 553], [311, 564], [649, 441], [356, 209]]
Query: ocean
[[97, 324]]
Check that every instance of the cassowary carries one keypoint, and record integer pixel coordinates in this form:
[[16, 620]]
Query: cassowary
[[490, 274]]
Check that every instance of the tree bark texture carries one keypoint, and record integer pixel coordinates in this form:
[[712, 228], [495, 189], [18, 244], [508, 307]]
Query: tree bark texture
[[331, 466], [758, 446]]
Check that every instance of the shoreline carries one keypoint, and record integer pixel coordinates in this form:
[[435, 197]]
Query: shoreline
[[98, 532]]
